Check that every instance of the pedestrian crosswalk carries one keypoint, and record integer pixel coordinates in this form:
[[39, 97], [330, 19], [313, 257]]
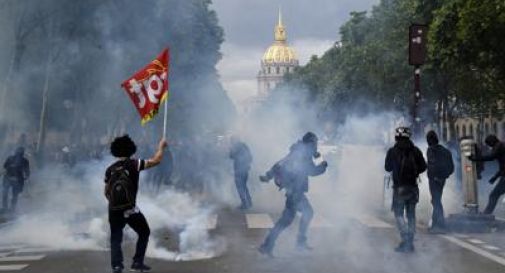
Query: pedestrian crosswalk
[[264, 221], [19, 257]]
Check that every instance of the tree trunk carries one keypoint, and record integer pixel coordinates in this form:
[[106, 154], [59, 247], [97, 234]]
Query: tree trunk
[[43, 113]]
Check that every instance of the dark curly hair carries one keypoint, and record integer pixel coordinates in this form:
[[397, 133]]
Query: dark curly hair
[[123, 146]]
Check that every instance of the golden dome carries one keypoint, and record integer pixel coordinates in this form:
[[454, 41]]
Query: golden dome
[[279, 51]]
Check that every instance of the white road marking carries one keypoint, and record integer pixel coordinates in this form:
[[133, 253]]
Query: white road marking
[[490, 247], [22, 258], [475, 249], [5, 254], [212, 221], [35, 250], [259, 220], [462, 236], [12, 267], [476, 241], [373, 222], [10, 247]]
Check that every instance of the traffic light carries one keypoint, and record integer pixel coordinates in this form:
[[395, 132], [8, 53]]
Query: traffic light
[[417, 44]]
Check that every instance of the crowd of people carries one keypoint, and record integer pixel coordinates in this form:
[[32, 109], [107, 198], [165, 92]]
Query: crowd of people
[[291, 173]]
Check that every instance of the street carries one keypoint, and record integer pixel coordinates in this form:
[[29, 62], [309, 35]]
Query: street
[[363, 243]]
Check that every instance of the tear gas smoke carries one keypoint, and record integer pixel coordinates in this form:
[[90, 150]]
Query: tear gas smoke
[[67, 211]]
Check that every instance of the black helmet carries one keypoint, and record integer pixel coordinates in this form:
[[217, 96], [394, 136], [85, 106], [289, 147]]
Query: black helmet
[[491, 140], [403, 132], [309, 137]]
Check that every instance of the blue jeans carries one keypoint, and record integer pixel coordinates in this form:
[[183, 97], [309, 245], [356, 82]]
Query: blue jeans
[[243, 191], [138, 223], [11, 184], [495, 195], [436, 190], [404, 204], [294, 203]]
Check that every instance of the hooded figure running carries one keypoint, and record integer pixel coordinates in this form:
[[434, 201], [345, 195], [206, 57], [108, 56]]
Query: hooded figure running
[[498, 154], [17, 170], [406, 162], [242, 158], [292, 173]]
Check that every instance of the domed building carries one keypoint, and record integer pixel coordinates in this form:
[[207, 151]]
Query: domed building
[[278, 60]]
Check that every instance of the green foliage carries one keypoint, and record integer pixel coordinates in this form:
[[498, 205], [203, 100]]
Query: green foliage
[[464, 69]]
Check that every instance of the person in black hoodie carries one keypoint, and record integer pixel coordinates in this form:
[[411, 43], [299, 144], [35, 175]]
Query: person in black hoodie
[[406, 162], [440, 167], [242, 158], [294, 171], [17, 170], [498, 154]]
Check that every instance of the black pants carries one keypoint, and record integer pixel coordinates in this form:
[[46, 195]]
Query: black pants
[[404, 204], [293, 204], [138, 223], [243, 191], [436, 190], [11, 184], [495, 195]]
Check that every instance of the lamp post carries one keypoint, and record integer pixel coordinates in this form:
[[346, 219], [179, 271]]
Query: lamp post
[[417, 56]]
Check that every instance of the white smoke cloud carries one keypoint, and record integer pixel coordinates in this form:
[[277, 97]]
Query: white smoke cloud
[[67, 211]]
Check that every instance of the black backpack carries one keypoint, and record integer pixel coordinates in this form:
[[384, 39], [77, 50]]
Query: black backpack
[[447, 164], [408, 166], [282, 174], [120, 192]]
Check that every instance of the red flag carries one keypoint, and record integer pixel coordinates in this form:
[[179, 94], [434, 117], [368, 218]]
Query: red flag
[[148, 88]]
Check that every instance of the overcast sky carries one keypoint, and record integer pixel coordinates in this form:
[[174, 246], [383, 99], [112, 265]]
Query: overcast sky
[[312, 27]]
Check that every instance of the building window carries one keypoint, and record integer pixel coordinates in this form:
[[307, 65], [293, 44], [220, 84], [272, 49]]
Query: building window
[[458, 133], [277, 70], [495, 128], [464, 130], [486, 129], [287, 69], [269, 70], [471, 130]]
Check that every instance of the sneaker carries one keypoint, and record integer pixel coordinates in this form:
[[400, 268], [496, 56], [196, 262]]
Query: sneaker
[[117, 269], [266, 251], [303, 247], [404, 247], [138, 267], [437, 230], [401, 247]]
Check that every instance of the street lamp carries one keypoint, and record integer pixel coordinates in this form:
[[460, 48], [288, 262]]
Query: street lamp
[[417, 56]]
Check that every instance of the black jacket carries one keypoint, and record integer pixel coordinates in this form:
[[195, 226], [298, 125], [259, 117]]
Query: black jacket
[[393, 162], [440, 163], [498, 154], [300, 165], [18, 167], [241, 156]]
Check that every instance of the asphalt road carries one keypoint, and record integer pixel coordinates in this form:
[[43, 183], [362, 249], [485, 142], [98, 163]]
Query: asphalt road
[[361, 243]]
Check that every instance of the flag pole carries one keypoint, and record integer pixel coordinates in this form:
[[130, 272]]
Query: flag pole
[[165, 106], [165, 119]]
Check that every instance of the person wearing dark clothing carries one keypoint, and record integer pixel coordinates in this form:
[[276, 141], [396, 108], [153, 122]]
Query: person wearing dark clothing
[[440, 167], [242, 158], [17, 170], [121, 187], [406, 162], [291, 173], [498, 154]]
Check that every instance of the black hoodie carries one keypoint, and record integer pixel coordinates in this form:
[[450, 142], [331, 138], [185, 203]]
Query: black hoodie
[[403, 147]]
